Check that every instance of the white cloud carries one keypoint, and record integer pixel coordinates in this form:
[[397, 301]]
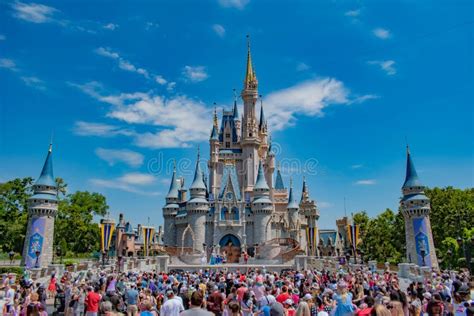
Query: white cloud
[[110, 26], [2, 37], [151, 25], [179, 120], [357, 166], [302, 67], [382, 33], [170, 86], [127, 182], [195, 73], [239, 4], [323, 204], [307, 98], [366, 182], [352, 13], [8, 64], [159, 79], [33, 12], [386, 65], [137, 178], [219, 30], [34, 82], [113, 156], [99, 129], [128, 66]]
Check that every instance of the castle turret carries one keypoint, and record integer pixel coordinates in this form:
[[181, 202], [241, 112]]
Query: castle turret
[[250, 139], [237, 122], [214, 156], [310, 214], [170, 210], [262, 207], [415, 207], [197, 208], [293, 209], [42, 210]]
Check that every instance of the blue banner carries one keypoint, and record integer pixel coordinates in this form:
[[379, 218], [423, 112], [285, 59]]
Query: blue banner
[[422, 241], [35, 244]]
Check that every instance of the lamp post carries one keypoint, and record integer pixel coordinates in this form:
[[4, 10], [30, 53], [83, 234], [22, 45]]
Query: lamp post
[[449, 253], [59, 254], [11, 254], [37, 253]]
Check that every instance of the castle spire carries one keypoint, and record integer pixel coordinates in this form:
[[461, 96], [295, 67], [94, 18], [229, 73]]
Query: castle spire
[[279, 180], [263, 122], [250, 81], [173, 191], [216, 124], [46, 177], [261, 183], [292, 204], [198, 182], [411, 177], [304, 191]]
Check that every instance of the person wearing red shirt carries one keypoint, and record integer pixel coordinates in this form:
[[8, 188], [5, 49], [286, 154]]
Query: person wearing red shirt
[[92, 302], [283, 295], [366, 307]]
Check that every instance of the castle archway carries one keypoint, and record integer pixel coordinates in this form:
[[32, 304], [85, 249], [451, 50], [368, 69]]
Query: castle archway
[[230, 247]]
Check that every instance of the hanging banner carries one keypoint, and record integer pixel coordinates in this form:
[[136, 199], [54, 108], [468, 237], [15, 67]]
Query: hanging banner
[[311, 240], [353, 235], [147, 238], [35, 244], [421, 242], [107, 228]]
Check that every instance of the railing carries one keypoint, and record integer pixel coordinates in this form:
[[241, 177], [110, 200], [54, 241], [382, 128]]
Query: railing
[[281, 242], [177, 251], [287, 256]]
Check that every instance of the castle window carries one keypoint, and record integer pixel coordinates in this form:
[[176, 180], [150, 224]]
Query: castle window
[[227, 135], [235, 213], [250, 135], [223, 213], [227, 144]]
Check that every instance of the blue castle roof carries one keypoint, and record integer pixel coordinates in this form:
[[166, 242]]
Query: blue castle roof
[[235, 111], [229, 177], [279, 185], [46, 177], [261, 183], [198, 182], [174, 190], [292, 204], [262, 118], [228, 118], [411, 177], [214, 134]]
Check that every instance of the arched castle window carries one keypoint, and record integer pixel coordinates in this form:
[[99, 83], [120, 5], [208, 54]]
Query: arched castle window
[[235, 213], [223, 213]]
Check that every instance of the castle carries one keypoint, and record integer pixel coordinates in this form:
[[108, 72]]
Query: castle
[[241, 207]]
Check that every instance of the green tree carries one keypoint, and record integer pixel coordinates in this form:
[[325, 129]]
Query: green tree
[[14, 196], [75, 230]]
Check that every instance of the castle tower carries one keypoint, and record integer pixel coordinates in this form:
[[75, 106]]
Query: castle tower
[[293, 217], [415, 207], [250, 139], [309, 227], [214, 157], [197, 208], [42, 209], [170, 210], [262, 207]]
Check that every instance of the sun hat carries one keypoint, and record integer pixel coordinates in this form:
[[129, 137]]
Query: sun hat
[[307, 297]]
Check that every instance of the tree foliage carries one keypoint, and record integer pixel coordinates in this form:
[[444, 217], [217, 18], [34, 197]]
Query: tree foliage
[[75, 230]]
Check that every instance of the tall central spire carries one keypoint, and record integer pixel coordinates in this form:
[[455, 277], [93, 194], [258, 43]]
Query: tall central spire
[[250, 81]]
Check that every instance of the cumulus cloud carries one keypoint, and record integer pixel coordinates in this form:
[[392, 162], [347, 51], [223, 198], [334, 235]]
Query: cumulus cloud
[[352, 13], [178, 120], [302, 67], [110, 26], [82, 128], [366, 182], [358, 166], [195, 73], [386, 65], [114, 156], [33, 12], [307, 98], [8, 64], [239, 4], [128, 66], [219, 30], [128, 182], [382, 33]]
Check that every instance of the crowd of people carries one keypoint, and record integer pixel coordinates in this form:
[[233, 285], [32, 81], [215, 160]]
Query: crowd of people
[[359, 292]]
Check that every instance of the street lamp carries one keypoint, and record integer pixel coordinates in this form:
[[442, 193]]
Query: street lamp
[[11, 254], [449, 253], [37, 253]]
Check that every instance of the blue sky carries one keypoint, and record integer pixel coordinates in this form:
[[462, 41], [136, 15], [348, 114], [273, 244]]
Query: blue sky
[[128, 86]]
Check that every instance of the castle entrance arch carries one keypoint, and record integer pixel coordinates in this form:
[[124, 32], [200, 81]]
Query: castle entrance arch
[[230, 247]]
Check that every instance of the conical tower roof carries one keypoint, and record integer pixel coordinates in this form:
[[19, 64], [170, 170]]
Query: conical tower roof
[[411, 177], [261, 183], [198, 182], [292, 203], [279, 185], [174, 190], [46, 177]]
